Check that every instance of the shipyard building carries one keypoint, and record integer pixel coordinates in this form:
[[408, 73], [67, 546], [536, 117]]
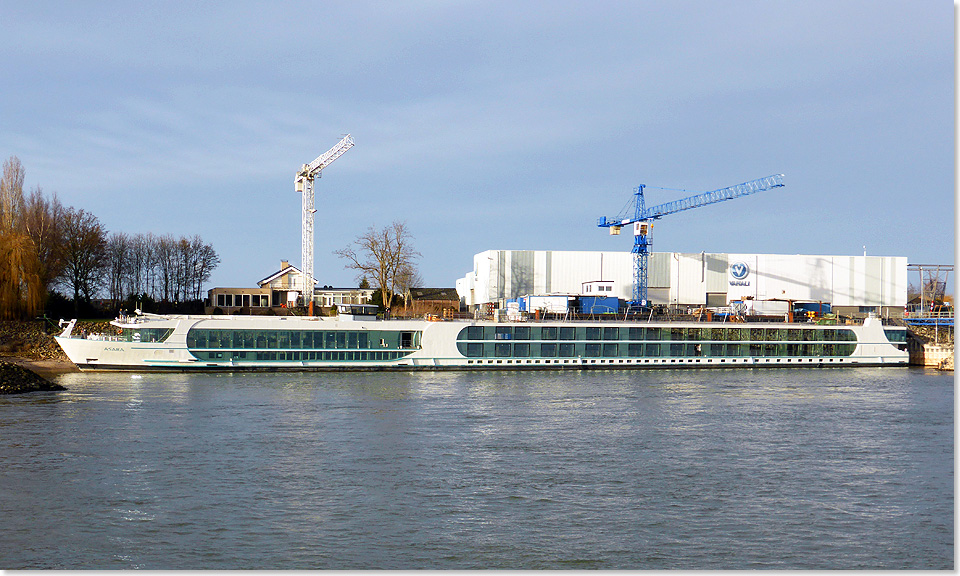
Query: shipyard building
[[848, 285]]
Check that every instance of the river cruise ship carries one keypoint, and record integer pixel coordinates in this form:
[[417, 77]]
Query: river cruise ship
[[356, 339]]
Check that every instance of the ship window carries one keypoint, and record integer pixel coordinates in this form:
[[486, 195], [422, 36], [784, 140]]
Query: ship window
[[636, 333], [406, 339], [652, 350], [653, 334], [611, 333], [341, 339], [593, 333], [521, 350], [567, 350], [502, 350], [591, 350], [521, 333], [610, 350], [474, 350], [474, 332], [635, 350], [568, 333], [548, 333], [896, 335], [548, 350]]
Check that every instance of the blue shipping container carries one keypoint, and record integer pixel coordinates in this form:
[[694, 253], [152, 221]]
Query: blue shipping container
[[599, 305]]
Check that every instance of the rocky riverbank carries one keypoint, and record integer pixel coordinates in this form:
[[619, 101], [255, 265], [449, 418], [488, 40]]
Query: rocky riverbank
[[29, 356], [15, 379]]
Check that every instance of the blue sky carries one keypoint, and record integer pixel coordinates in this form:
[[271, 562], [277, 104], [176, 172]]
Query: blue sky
[[490, 125]]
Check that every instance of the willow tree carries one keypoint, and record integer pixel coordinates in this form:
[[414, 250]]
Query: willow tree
[[21, 290], [386, 256], [21, 287]]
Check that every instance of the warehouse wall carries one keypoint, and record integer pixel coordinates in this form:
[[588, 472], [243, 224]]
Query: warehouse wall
[[687, 279]]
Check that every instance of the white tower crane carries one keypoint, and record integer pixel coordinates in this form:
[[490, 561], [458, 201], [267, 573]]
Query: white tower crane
[[304, 184]]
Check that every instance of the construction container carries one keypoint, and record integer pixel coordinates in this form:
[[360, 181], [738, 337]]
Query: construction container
[[599, 305]]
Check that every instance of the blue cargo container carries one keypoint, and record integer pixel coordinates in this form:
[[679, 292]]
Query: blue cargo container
[[599, 305], [818, 307]]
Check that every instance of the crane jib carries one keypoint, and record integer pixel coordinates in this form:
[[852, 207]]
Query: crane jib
[[696, 201], [720, 195], [641, 248]]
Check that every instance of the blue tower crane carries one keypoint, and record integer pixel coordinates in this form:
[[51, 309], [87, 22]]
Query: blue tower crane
[[643, 217]]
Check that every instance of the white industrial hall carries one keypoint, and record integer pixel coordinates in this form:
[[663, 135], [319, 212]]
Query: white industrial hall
[[850, 284]]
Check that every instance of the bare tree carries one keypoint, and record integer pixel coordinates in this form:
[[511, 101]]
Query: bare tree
[[43, 219], [206, 261], [138, 264], [11, 196], [84, 246], [383, 256], [164, 252], [117, 254], [408, 278]]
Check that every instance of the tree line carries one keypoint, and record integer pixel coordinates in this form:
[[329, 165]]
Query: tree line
[[49, 250]]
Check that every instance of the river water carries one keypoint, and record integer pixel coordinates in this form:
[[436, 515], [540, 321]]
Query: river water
[[656, 469]]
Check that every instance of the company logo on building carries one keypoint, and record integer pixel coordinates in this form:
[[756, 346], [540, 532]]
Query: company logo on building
[[739, 271]]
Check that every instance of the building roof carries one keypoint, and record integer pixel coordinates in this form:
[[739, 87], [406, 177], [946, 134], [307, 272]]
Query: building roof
[[319, 289], [282, 272], [435, 294]]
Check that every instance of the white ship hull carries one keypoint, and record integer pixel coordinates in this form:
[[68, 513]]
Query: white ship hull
[[234, 343]]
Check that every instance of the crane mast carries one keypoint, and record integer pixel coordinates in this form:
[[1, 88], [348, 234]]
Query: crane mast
[[643, 217], [303, 183]]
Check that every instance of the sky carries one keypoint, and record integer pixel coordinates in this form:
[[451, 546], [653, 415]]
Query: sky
[[490, 125]]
